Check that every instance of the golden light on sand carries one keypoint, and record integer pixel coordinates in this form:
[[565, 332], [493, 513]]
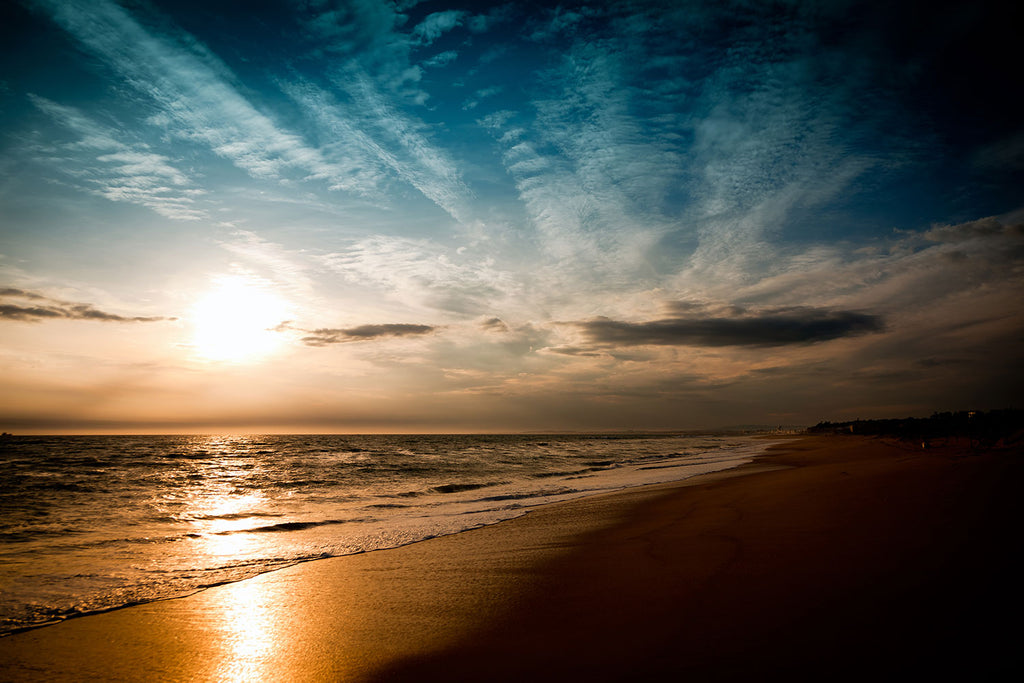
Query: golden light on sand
[[236, 321], [247, 623]]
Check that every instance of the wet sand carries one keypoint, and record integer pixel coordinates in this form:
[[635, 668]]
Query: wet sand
[[830, 558]]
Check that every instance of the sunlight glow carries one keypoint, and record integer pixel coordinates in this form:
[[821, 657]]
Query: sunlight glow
[[236, 321], [247, 620]]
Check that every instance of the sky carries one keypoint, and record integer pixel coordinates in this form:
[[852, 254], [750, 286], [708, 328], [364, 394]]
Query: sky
[[371, 216]]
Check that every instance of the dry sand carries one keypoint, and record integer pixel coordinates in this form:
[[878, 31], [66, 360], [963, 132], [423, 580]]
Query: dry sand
[[830, 558]]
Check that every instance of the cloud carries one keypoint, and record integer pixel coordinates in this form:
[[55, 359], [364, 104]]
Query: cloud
[[424, 273], [422, 164], [194, 89], [909, 274], [598, 169], [1003, 155], [200, 102], [561, 21], [643, 157], [981, 229], [365, 35], [102, 164], [765, 328], [479, 95], [46, 308], [287, 269], [580, 351], [21, 293], [373, 137], [481, 23], [494, 325], [372, 78], [436, 25], [325, 336], [442, 58]]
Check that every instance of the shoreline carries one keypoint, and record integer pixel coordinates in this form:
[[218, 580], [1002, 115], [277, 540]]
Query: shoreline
[[519, 512], [821, 547]]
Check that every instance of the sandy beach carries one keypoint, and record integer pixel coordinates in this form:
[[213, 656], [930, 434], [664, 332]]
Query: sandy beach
[[829, 558]]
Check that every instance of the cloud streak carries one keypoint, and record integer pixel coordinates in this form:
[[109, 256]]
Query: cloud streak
[[102, 164], [363, 333], [767, 328], [370, 83], [362, 129], [420, 272], [193, 88], [436, 25], [45, 308]]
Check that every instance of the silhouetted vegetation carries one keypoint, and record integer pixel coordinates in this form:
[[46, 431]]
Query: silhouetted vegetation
[[983, 428]]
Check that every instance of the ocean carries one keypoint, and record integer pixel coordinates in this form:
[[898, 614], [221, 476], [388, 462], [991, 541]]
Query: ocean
[[93, 523]]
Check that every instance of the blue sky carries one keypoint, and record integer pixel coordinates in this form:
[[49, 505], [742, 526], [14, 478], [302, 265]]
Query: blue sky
[[427, 216]]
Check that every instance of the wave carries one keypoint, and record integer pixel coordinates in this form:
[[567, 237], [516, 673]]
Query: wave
[[529, 494], [664, 467], [293, 526], [562, 473], [458, 488], [66, 486], [234, 515]]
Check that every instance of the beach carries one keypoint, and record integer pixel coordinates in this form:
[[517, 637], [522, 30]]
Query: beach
[[829, 557]]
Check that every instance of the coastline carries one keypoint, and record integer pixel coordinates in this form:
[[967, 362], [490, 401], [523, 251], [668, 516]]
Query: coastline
[[843, 552]]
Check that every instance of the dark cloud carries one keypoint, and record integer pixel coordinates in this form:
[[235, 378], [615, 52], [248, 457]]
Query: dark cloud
[[574, 351], [939, 362], [325, 336], [767, 328], [690, 309], [21, 294], [28, 313], [989, 227], [494, 325], [53, 309]]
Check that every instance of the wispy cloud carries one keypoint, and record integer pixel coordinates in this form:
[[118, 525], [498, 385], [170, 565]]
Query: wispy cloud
[[200, 103], [558, 22], [287, 270], [424, 274], [31, 306], [441, 59], [643, 160], [372, 90], [480, 95], [194, 89], [120, 171], [910, 273], [481, 23], [435, 25], [366, 34], [379, 142], [424, 165]]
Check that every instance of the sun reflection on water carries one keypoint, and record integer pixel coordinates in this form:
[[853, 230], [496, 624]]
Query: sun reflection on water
[[247, 622], [217, 489], [221, 501]]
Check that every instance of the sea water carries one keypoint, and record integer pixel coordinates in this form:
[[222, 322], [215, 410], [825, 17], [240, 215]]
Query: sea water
[[92, 523]]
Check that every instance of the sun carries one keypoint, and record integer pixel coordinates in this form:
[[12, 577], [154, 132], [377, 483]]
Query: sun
[[236, 320]]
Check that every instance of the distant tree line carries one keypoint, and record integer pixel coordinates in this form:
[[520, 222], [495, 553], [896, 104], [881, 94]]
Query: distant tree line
[[981, 427]]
